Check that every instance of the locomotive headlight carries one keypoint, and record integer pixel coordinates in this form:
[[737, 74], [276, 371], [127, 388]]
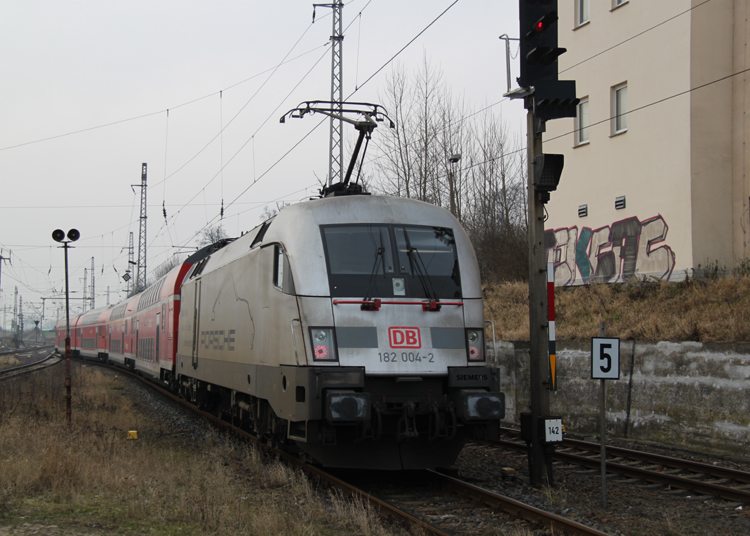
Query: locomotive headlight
[[347, 406], [478, 405], [475, 344], [323, 344]]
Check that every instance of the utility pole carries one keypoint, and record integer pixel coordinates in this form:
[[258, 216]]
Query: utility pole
[[545, 98], [336, 146], [538, 369], [140, 280]]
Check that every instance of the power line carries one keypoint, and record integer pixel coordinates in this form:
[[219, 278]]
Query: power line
[[150, 114], [320, 123], [403, 48]]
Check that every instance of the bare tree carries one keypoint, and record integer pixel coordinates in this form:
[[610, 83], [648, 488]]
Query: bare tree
[[165, 267], [269, 213], [484, 189], [212, 234]]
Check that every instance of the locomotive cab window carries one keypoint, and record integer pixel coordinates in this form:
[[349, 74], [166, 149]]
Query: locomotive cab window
[[376, 260]]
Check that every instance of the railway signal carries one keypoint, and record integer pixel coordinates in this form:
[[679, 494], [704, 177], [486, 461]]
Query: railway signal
[[58, 235], [539, 50]]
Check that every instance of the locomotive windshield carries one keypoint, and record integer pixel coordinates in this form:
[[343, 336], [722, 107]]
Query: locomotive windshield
[[385, 261]]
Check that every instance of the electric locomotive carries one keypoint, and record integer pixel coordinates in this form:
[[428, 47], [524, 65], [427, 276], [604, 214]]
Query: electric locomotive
[[351, 326]]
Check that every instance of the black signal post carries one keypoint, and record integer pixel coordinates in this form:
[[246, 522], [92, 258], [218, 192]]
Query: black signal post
[[58, 235], [545, 98]]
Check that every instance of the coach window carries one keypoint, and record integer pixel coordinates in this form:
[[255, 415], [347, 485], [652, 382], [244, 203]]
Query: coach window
[[163, 315]]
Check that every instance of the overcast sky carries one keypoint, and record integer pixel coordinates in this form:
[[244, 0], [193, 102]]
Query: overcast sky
[[84, 91]]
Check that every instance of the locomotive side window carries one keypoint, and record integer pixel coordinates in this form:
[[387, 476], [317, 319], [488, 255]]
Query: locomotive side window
[[282, 274], [361, 259], [278, 267]]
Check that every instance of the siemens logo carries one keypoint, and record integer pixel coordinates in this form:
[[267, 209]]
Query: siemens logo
[[472, 377]]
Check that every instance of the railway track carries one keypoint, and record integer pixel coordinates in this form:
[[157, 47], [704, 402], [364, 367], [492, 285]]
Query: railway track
[[12, 372], [671, 472], [443, 510]]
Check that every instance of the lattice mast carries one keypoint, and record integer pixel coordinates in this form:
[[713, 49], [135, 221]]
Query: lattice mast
[[85, 288], [20, 319], [93, 286], [131, 262], [140, 280], [336, 146], [2, 261]]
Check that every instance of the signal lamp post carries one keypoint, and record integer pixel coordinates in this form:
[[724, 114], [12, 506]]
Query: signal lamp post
[[58, 235]]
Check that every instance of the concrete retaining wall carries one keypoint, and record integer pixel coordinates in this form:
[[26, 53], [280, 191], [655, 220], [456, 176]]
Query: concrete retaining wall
[[688, 394]]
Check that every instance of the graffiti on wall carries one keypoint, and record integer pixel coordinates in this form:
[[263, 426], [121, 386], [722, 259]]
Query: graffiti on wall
[[614, 253]]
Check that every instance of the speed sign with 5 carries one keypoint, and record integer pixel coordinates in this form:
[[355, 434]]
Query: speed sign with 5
[[605, 358]]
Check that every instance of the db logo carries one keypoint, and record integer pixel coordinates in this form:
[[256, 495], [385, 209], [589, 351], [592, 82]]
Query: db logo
[[404, 338]]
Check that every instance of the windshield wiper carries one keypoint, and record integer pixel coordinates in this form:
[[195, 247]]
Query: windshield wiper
[[379, 254], [415, 259]]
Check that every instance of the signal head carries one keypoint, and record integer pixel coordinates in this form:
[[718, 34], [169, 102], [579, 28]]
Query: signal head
[[58, 235], [73, 235]]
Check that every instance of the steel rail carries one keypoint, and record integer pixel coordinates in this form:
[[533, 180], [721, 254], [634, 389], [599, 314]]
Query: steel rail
[[716, 471], [675, 481], [12, 372], [705, 488], [517, 508], [667, 461]]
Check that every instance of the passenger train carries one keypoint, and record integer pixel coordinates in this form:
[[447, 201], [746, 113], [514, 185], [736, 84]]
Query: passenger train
[[351, 326]]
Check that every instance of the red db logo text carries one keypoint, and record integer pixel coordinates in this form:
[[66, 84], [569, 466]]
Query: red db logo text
[[404, 337]]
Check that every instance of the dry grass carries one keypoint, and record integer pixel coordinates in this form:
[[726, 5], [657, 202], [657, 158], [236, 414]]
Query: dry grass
[[90, 476], [713, 309]]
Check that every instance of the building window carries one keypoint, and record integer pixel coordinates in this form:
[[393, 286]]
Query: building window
[[582, 122], [582, 12], [620, 108], [618, 3]]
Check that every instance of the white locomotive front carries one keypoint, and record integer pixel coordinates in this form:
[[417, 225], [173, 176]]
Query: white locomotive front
[[351, 325]]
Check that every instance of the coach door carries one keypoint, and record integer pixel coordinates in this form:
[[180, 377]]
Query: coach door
[[196, 321], [156, 342]]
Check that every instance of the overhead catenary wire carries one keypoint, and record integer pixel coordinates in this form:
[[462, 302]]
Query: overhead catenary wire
[[391, 59]]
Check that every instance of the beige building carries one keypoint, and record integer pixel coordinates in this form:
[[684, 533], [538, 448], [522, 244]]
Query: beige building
[[656, 163]]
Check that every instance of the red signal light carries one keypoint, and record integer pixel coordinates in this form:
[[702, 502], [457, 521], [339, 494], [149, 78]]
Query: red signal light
[[539, 26]]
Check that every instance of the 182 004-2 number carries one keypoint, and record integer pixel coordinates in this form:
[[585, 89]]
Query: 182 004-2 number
[[405, 357]]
